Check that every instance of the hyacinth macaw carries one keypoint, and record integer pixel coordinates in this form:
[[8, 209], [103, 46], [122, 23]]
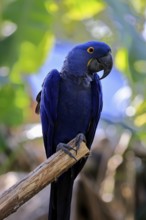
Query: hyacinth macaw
[[70, 105]]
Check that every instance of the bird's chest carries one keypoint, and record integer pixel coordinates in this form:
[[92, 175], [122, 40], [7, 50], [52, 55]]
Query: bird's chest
[[73, 111], [75, 102]]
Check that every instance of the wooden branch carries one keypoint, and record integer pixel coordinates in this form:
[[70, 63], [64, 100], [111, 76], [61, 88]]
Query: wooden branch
[[44, 174]]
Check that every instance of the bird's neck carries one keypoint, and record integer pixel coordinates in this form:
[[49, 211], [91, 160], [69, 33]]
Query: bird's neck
[[84, 81]]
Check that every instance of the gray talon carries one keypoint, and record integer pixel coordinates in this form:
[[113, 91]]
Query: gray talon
[[77, 142], [66, 148], [78, 139]]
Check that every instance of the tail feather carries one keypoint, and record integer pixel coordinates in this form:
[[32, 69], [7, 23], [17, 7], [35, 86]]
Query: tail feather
[[60, 198], [61, 193]]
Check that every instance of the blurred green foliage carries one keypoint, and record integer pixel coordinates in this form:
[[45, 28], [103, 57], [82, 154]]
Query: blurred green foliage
[[27, 32], [25, 39]]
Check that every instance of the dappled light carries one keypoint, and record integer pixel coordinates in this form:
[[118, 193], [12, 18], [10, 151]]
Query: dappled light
[[34, 132]]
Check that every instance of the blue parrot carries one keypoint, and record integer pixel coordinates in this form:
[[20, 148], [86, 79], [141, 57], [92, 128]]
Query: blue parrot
[[70, 105]]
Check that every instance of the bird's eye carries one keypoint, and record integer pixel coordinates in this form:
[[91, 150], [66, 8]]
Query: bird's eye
[[90, 49]]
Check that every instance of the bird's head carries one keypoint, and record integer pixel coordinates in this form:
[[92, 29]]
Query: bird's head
[[86, 59]]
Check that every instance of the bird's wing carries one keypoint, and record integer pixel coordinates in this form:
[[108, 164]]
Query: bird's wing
[[48, 108], [97, 104]]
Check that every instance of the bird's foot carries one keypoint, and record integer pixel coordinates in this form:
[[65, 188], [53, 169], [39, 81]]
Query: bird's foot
[[76, 143], [78, 140], [66, 148]]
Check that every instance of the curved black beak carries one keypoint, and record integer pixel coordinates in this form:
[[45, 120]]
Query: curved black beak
[[107, 63], [104, 63]]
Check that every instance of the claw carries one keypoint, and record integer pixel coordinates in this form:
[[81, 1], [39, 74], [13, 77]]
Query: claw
[[66, 148], [78, 140]]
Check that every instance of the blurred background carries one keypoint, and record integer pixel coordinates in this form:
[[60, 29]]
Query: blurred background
[[35, 37]]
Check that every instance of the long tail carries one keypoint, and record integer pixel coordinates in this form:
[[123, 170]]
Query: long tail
[[61, 193], [60, 198]]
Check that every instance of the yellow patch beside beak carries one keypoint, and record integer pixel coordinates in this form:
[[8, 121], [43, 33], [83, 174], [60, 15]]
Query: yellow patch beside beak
[[89, 62]]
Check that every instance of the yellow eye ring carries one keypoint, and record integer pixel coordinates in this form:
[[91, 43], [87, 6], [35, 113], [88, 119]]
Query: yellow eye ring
[[90, 49]]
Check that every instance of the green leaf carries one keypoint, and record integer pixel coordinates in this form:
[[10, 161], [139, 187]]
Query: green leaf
[[31, 57], [14, 104], [31, 40], [79, 10]]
